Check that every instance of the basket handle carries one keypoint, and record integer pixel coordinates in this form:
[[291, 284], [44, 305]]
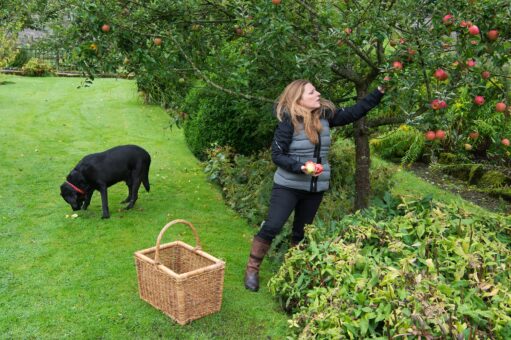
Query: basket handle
[[167, 226]]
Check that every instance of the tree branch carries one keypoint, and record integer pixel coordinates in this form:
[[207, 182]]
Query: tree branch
[[360, 54], [346, 73], [212, 83]]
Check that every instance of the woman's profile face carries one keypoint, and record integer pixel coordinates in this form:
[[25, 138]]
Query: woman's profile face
[[310, 97]]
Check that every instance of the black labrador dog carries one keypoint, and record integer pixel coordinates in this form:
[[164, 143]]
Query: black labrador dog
[[98, 171]]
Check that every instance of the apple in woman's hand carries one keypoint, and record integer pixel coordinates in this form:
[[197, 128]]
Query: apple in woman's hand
[[319, 169], [310, 167]]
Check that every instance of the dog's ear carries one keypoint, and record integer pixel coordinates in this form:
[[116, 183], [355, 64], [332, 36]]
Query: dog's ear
[[76, 176]]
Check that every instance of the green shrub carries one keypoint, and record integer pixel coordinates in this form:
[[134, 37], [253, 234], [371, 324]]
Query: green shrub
[[218, 118], [494, 179], [405, 144], [408, 267], [7, 47], [37, 68], [246, 181], [22, 57]]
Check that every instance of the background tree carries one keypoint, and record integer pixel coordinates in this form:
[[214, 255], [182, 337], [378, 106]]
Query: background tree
[[227, 60]]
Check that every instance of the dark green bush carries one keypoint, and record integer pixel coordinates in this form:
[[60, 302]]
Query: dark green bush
[[408, 268], [22, 57], [216, 118]]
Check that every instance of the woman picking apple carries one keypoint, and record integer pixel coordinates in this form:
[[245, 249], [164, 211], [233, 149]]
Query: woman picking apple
[[300, 149]]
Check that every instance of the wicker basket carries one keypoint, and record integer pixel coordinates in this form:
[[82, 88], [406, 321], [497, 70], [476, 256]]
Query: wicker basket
[[183, 282]]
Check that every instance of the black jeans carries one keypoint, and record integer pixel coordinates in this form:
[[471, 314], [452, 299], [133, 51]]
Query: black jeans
[[282, 203]]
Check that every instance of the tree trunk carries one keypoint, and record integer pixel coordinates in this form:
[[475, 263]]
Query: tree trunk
[[363, 159]]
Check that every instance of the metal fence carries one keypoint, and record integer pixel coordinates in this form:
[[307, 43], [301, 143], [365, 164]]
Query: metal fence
[[56, 58]]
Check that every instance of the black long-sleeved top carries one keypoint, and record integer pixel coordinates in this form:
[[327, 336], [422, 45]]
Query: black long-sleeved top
[[290, 159]]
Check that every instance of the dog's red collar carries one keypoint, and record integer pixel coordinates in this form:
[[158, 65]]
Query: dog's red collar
[[75, 188]]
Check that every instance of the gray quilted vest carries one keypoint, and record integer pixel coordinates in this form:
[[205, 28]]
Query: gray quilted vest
[[302, 150]]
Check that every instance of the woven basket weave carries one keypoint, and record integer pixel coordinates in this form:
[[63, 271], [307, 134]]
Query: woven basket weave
[[184, 282]]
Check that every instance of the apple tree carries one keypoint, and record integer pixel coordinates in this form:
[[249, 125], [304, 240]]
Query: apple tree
[[432, 55]]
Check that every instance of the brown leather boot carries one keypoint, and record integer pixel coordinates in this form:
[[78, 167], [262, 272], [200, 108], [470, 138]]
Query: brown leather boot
[[259, 249], [293, 243]]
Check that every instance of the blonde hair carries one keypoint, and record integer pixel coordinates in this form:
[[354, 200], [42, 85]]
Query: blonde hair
[[288, 103]]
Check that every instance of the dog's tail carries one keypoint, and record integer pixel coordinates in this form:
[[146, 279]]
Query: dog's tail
[[145, 181]]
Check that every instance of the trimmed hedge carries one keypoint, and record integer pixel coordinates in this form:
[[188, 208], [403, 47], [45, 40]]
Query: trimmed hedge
[[219, 119]]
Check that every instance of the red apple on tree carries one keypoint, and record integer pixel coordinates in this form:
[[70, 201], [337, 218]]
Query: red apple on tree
[[492, 35], [443, 104], [473, 135], [430, 135], [435, 104], [440, 134], [157, 41], [479, 100], [276, 2], [105, 28], [473, 30], [397, 65], [505, 141], [471, 63], [448, 19], [440, 74], [500, 107], [485, 74]]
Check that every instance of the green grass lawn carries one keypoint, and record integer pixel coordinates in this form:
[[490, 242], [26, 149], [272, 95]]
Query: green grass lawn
[[76, 278]]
